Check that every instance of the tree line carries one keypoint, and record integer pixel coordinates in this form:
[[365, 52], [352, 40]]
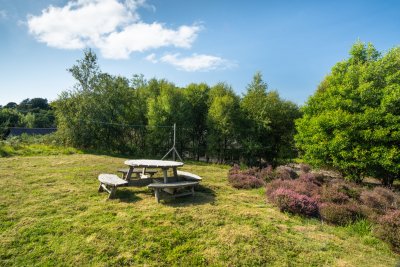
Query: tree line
[[29, 113], [350, 124], [134, 116]]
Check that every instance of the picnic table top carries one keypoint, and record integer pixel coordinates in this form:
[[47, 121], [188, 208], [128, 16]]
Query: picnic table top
[[152, 163]]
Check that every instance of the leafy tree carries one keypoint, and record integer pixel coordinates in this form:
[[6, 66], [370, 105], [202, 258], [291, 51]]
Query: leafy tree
[[11, 105], [255, 138], [86, 72], [9, 117], [270, 123], [352, 122], [164, 109], [98, 112], [224, 122], [196, 96]]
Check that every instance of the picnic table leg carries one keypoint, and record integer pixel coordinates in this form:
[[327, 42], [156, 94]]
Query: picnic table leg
[[175, 173], [112, 192], [100, 188], [192, 189], [165, 173], [129, 174], [157, 195]]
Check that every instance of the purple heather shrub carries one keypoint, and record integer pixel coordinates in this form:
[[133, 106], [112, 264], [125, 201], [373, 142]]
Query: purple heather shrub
[[290, 201], [285, 173], [340, 214], [267, 173], [332, 194], [388, 229], [305, 168], [235, 169], [380, 199], [244, 181]]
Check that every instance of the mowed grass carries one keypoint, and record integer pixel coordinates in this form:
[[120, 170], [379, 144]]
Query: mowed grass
[[51, 214]]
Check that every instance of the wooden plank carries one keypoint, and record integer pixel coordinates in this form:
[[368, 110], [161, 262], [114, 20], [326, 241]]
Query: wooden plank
[[173, 185], [189, 175], [111, 179]]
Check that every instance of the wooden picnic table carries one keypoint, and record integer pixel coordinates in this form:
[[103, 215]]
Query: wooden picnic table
[[164, 165], [175, 187]]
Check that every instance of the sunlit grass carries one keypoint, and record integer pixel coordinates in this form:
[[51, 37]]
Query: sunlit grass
[[51, 214]]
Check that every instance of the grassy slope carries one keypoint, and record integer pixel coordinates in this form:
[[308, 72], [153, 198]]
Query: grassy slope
[[51, 214]]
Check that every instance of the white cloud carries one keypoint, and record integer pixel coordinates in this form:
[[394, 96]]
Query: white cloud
[[140, 37], [196, 62], [3, 14], [112, 26], [152, 58]]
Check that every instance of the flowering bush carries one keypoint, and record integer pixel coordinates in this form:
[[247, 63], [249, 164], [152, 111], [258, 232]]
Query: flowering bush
[[245, 181], [380, 199], [267, 174], [289, 200], [285, 173], [388, 229], [336, 201], [340, 214], [331, 194], [305, 168]]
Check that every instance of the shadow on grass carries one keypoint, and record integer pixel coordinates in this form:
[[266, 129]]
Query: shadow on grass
[[202, 195], [126, 195]]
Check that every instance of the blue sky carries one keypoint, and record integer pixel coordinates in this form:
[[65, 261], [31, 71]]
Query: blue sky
[[293, 43]]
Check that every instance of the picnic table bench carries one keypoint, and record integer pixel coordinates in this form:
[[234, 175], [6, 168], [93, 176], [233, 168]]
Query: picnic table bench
[[171, 187], [109, 183]]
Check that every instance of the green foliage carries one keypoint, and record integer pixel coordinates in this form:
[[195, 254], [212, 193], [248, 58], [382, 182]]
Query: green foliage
[[224, 121], [269, 123], [352, 121], [30, 113], [28, 145], [114, 114]]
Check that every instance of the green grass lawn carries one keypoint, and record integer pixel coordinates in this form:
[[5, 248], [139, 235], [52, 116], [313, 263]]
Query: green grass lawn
[[51, 214]]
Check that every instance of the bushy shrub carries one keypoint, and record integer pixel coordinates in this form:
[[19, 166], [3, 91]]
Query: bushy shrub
[[285, 173], [311, 178], [244, 181], [305, 168], [275, 184], [340, 214], [235, 169], [289, 200], [380, 199], [331, 194], [350, 189], [388, 229], [267, 173]]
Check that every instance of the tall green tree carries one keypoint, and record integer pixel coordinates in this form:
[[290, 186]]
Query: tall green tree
[[224, 122], [352, 122], [196, 96], [99, 112], [269, 124], [164, 109]]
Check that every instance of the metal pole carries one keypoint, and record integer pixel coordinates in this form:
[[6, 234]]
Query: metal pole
[[173, 149], [174, 153]]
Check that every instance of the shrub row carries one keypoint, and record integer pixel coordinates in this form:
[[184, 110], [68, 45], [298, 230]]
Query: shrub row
[[338, 202]]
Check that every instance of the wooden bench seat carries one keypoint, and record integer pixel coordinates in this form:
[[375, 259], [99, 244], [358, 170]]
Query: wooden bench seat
[[109, 183], [189, 176], [139, 173], [171, 187]]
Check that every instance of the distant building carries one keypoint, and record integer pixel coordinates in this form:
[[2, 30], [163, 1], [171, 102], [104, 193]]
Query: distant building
[[16, 131]]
